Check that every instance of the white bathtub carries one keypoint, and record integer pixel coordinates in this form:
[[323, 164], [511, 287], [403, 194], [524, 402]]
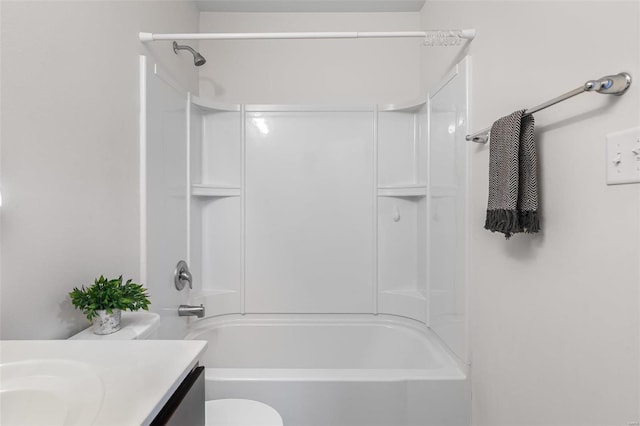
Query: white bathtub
[[335, 370]]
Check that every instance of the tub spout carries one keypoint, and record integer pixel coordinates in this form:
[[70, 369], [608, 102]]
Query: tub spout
[[191, 311]]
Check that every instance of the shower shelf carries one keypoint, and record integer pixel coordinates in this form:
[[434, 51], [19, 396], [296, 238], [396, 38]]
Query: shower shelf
[[411, 302], [213, 106], [411, 190], [202, 190]]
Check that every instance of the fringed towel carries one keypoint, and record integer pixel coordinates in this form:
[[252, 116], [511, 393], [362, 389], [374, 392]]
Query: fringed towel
[[513, 181]]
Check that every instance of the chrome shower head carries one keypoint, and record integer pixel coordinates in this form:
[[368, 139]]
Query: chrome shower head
[[198, 59]]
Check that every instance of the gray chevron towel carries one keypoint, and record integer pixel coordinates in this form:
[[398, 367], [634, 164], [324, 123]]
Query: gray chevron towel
[[513, 181]]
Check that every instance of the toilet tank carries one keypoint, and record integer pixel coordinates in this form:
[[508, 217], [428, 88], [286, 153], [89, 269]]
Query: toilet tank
[[133, 326]]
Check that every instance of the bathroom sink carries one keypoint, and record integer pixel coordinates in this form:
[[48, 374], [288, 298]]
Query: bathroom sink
[[90, 382], [49, 392]]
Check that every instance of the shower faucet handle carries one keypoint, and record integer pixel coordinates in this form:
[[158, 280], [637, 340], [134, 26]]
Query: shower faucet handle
[[182, 276]]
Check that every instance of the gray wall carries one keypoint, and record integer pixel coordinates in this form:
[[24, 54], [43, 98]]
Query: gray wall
[[69, 166]]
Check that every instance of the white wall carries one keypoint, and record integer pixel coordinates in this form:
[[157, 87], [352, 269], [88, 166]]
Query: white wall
[[554, 317], [310, 71], [70, 150]]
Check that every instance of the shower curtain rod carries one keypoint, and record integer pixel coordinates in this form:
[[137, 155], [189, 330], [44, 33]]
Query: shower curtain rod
[[431, 35], [608, 85]]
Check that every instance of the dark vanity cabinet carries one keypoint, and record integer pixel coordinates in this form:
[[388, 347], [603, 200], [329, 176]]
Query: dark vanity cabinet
[[186, 405]]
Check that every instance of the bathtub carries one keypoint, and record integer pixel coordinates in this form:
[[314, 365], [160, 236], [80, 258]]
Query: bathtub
[[335, 370]]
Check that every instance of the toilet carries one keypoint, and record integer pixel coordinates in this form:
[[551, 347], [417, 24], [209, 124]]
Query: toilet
[[218, 412], [240, 412]]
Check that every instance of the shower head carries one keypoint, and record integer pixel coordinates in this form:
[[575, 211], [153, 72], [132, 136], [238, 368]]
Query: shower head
[[198, 59]]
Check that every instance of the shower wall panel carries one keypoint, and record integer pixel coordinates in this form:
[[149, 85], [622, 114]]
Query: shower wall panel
[[309, 212], [221, 155], [165, 194], [396, 148], [309, 209], [448, 174]]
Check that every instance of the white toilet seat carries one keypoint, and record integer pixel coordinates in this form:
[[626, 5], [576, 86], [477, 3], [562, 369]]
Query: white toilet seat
[[240, 412]]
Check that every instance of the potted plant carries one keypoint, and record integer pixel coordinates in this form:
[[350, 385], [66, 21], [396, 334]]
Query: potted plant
[[103, 302]]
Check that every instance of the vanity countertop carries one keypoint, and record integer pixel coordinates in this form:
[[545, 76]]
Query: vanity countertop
[[115, 382]]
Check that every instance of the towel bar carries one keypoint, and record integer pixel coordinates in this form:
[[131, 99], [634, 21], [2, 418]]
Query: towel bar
[[609, 85]]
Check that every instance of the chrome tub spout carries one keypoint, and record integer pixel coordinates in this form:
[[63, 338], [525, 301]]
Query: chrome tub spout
[[191, 311]]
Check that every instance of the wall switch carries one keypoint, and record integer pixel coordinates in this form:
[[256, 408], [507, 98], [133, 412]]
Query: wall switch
[[623, 157]]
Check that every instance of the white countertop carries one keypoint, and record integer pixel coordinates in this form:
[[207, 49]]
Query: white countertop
[[133, 378]]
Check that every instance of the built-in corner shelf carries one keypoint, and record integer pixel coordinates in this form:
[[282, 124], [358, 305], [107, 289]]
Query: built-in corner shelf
[[204, 190], [410, 106], [410, 190], [209, 105], [411, 302]]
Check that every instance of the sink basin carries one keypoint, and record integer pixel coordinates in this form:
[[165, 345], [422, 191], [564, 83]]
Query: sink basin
[[49, 392], [90, 382]]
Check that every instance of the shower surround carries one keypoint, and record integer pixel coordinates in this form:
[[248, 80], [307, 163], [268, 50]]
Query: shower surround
[[318, 229]]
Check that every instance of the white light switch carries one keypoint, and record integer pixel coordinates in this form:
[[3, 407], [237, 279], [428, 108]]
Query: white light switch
[[623, 157]]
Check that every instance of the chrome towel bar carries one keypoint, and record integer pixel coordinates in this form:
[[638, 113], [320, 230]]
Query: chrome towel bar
[[609, 85]]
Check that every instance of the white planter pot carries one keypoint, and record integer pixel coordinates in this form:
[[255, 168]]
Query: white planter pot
[[106, 323]]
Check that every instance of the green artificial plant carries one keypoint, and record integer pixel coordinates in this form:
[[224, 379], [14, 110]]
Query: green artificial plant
[[108, 295]]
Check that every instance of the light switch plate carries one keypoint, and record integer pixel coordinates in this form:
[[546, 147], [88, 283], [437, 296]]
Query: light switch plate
[[623, 157]]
